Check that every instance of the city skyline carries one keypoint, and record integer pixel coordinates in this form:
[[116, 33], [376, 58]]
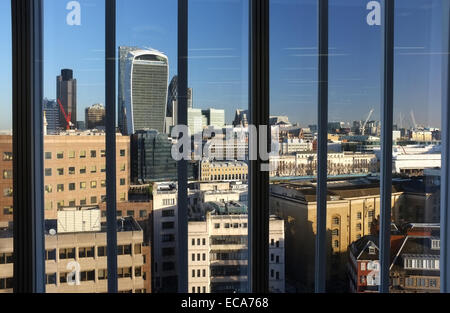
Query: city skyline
[[218, 64]]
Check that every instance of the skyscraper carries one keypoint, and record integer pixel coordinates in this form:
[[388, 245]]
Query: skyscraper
[[215, 117], [143, 80], [172, 103], [52, 111], [95, 116], [66, 93]]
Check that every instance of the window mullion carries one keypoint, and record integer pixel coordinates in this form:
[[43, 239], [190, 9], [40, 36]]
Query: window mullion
[[386, 145], [445, 176], [322, 148], [110, 107], [182, 164]]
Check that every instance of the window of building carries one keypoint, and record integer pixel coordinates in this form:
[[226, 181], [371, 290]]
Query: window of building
[[82, 154], [7, 174], [60, 155], [60, 171], [101, 251], [66, 253], [122, 153], [93, 153], [86, 252], [93, 184], [60, 188], [71, 154], [72, 186], [48, 172], [83, 170], [102, 274], [48, 155]]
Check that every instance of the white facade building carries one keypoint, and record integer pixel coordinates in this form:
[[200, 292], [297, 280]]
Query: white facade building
[[218, 250], [164, 237]]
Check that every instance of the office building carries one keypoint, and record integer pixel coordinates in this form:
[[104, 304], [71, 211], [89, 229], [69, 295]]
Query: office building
[[353, 208], [66, 92], [88, 248], [214, 117], [6, 180], [223, 171], [305, 164], [289, 146], [143, 82], [95, 116], [51, 113], [218, 249], [151, 157], [196, 121], [241, 118], [165, 234]]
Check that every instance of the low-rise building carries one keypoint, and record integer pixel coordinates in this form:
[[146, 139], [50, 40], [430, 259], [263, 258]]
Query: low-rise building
[[223, 171], [80, 257], [414, 261]]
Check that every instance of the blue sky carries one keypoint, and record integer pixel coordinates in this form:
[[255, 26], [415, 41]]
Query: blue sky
[[218, 48]]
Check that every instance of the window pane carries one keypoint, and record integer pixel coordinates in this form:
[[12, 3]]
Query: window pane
[[147, 58], [218, 93], [416, 156], [293, 121], [73, 81], [354, 130], [6, 152]]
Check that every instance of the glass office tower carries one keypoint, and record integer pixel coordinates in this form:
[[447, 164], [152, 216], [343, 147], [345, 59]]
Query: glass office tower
[[143, 80]]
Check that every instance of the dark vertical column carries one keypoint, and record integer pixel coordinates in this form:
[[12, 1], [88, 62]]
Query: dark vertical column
[[259, 176], [110, 84], [182, 164], [386, 145], [322, 150], [445, 177], [29, 266]]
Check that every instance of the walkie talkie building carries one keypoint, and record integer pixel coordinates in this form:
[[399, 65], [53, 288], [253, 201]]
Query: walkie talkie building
[[143, 80]]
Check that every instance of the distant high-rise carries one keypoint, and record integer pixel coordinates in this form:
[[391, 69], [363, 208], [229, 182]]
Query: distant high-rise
[[172, 103], [95, 116], [241, 118], [52, 111], [66, 92], [215, 117], [143, 80]]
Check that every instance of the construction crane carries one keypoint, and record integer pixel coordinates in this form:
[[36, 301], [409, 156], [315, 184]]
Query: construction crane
[[363, 130], [66, 117]]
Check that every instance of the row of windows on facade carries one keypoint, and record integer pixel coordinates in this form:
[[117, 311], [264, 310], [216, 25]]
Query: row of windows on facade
[[422, 264], [421, 282], [123, 272], [198, 289], [89, 252], [336, 220], [72, 170], [72, 202], [72, 186], [227, 177], [82, 154], [228, 225]]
